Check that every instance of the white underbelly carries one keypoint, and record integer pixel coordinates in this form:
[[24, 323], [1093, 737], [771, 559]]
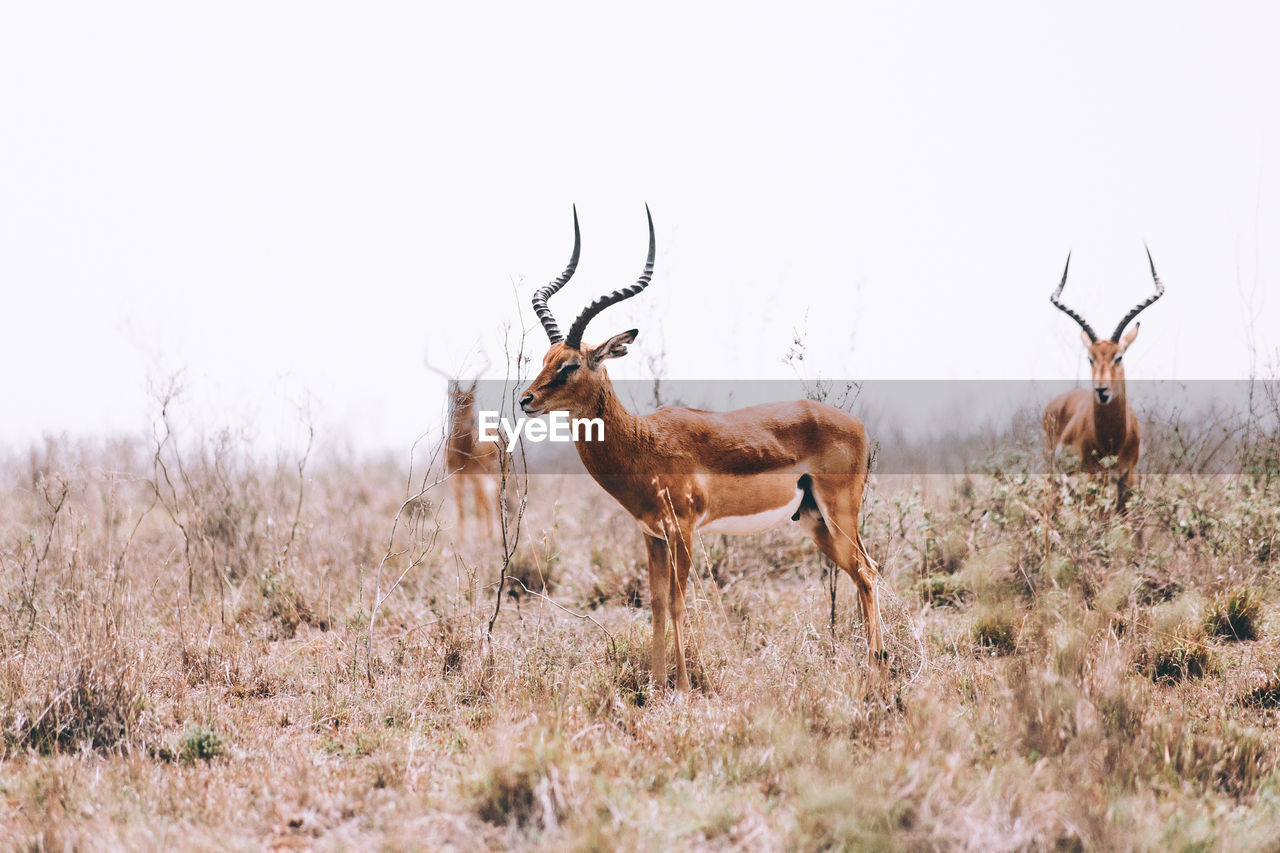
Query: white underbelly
[[744, 525]]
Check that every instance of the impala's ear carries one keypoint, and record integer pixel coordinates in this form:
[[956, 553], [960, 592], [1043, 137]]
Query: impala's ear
[[1128, 338], [1084, 336], [615, 347]]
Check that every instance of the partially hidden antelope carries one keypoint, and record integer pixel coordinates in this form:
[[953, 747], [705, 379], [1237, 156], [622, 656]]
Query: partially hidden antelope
[[681, 471], [470, 464], [1099, 425]]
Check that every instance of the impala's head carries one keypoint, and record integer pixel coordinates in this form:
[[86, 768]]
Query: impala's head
[[462, 396], [1106, 357], [571, 370], [1106, 361]]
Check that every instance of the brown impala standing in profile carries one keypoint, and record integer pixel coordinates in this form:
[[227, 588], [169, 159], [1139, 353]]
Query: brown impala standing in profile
[[1100, 424], [682, 471]]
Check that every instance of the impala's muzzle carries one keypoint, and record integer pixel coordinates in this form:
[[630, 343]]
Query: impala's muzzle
[[526, 406], [1103, 394]]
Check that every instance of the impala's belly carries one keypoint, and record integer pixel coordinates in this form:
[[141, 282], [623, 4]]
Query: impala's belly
[[744, 525]]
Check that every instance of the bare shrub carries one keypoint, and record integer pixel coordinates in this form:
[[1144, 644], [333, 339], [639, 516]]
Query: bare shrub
[[71, 670], [236, 515]]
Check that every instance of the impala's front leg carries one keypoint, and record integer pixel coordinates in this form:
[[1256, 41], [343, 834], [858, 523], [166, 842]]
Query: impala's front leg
[[1122, 490], [659, 595], [681, 558], [480, 499]]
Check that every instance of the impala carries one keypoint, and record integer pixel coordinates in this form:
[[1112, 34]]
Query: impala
[[683, 471], [1100, 425], [471, 465]]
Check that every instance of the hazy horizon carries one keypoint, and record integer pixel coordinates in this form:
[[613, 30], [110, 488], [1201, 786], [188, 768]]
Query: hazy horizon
[[293, 206]]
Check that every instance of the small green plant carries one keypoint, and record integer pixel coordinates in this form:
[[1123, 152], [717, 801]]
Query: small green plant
[[199, 743], [942, 591]]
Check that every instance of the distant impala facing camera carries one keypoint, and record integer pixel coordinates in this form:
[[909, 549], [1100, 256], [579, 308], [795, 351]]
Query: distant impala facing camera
[[1100, 424]]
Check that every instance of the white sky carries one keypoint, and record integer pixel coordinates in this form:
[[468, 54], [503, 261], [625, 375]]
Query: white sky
[[283, 200]]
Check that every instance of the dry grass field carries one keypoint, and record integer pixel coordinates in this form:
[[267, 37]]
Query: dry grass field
[[187, 660]]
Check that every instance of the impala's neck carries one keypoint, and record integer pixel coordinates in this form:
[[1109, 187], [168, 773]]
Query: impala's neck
[[1111, 419], [464, 414], [624, 433]]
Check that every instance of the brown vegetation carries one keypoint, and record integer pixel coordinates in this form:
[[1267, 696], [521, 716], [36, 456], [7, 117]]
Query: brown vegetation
[[186, 660]]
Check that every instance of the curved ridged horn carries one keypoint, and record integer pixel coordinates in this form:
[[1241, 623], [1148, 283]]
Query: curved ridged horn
[[1053, 297], [580, 325], [434, 369], [1141, 306], [540, 295]]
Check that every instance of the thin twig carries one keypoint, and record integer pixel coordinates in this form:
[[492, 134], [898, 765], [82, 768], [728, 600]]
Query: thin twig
[[613, 646]]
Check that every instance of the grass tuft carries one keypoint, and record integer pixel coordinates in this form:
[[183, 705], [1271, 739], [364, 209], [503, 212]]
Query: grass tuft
[[1171, 657], [1266, 695], [518, 789], [995, 629], [1234, 615]]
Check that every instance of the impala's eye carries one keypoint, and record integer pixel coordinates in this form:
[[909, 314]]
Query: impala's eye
[[562, 375], [1116, 360]]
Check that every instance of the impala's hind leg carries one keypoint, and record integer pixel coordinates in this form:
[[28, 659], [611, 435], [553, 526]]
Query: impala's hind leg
[[835, 530], [484, 510], [457, 495]]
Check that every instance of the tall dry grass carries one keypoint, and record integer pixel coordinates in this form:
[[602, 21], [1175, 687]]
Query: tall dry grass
[[186, 660]]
